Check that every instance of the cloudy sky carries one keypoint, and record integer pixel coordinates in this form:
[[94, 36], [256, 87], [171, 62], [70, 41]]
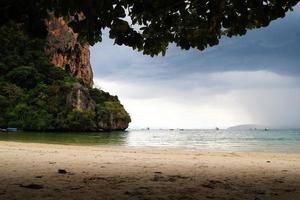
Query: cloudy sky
[[249, 79]]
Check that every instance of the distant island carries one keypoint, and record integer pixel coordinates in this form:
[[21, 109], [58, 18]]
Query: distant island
[[249, 127]]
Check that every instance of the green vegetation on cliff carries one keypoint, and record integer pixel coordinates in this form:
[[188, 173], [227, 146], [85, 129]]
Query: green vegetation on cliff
[[35, 95]]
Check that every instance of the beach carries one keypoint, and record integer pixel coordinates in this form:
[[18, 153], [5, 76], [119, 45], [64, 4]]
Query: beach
[[49, 171]]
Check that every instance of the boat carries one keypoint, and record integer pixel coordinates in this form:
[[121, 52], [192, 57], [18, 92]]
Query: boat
[[217, 129], [11, 130], [2, 130]]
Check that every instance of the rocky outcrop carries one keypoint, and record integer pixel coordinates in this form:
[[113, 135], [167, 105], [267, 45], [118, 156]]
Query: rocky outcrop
[[37, 96], [66, 52], [79, 97], [112, 120], [107, 111], [119, 124]]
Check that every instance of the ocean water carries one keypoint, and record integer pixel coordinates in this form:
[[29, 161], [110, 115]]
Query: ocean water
[[287, 141]]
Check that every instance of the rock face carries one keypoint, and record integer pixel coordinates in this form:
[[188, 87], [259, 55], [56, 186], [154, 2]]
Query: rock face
[[116, 119], [109, 112], [66, 52], [79, 97], [112, 124]]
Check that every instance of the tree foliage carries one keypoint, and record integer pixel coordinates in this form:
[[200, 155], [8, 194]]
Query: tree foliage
[[150, 25]]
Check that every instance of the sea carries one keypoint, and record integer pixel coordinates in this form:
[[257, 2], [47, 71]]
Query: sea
[[285, 141]]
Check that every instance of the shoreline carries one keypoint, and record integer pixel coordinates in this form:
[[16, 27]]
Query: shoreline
[[149, 149], [272, 142], [153, 148], [122, 172]]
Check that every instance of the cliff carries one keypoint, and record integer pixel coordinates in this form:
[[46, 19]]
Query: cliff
[[66, 52], [69, 54], [56, 94], [109, 112]]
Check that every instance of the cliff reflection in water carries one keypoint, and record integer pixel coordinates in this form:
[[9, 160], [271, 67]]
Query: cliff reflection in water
[[80, 138]]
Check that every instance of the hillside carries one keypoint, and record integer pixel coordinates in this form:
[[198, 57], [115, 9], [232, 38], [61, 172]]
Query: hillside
[[248, 127], [39, 94]]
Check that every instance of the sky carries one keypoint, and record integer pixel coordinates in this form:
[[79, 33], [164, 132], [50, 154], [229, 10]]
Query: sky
[[253, 79]]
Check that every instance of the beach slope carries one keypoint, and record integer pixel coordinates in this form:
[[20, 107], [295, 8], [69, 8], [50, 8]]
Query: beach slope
[[44, 171]]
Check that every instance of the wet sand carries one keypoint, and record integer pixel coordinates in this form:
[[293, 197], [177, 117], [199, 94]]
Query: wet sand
[[44, 171]]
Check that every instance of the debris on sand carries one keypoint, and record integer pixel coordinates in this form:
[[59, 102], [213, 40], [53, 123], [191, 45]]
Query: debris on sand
[[62, 171], [32, 186]]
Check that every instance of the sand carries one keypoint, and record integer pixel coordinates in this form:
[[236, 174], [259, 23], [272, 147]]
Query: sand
[[44, 171]]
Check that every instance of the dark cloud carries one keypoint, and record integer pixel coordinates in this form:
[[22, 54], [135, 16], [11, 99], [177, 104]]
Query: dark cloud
[[275, 48]]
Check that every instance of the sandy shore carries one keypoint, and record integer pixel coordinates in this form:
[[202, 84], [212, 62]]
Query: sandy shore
[[30, 171]]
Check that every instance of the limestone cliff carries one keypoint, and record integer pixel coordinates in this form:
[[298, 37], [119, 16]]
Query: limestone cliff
[[109, 112], [78, 97], [66, 52]]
